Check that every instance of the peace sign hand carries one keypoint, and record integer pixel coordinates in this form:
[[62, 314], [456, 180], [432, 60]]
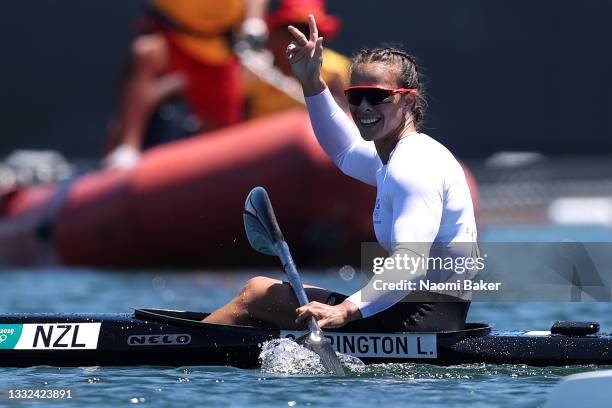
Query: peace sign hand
[[305, 56]]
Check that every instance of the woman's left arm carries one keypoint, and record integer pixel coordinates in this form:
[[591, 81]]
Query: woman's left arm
[[417, 212], [417, 203]]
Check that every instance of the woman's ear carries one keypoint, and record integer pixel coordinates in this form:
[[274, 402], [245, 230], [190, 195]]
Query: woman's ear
[[410, 102]]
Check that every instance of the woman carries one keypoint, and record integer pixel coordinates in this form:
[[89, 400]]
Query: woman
[[423, 201]]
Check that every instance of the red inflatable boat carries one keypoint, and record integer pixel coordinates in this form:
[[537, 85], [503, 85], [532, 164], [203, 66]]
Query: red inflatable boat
[[182, 204]]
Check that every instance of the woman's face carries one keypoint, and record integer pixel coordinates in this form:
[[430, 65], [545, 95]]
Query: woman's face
[[380, 121]]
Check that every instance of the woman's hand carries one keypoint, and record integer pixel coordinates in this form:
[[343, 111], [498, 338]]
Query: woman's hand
[[329, 316], [305, 56]]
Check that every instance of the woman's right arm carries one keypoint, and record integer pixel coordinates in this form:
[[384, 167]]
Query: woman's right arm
[[340, 139], [336, 133]]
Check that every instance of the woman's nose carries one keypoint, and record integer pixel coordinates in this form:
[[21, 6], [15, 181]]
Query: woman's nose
[[365, 105]]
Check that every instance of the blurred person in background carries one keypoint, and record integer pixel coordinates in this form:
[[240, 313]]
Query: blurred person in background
[[146, 87], [183, 58], [264, 98]]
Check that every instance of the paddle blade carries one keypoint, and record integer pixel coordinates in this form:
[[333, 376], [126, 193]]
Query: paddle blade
[[257, 235], [256, 223], [321, 346]]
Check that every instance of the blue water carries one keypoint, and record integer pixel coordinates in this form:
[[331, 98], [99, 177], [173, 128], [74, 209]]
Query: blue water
[[86, 290]]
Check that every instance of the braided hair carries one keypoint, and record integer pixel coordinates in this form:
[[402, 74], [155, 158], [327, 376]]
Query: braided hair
[[409, 73]]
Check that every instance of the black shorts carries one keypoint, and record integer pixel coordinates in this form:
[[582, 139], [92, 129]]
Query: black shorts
[[419, 312]]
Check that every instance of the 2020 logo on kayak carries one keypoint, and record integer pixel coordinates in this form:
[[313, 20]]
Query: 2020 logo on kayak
[[9, 335]]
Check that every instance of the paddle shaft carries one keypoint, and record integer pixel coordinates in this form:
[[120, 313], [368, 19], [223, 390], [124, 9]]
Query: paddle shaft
[[266, 237], [295, 281]]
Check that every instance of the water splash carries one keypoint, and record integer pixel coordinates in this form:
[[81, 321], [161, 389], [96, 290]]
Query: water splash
[[284, 356]]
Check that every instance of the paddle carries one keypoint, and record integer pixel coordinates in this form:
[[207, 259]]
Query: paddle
[[265, 236]]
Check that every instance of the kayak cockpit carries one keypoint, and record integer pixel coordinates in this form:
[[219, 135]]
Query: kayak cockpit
[[189, 318], [167, 315]]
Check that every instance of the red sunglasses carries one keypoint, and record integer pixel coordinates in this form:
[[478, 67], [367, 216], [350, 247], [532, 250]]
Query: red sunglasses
[[375, 95]]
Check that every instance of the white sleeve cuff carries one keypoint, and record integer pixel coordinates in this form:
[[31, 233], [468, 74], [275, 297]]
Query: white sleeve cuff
[[368, 309]]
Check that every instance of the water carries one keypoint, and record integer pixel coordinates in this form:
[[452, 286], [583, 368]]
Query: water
[[86, 290]]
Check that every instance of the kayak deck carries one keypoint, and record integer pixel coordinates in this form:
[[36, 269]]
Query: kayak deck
[[177, 338]]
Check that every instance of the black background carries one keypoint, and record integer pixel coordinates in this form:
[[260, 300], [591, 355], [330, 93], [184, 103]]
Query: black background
[[501, 74]]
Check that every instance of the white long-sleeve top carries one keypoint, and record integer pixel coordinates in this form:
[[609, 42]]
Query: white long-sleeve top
[[422, 193]]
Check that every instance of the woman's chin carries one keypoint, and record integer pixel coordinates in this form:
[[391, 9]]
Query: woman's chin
[[372, 132], [366, 135]]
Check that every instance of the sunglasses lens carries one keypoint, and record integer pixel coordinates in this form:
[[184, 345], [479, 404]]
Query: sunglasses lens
[[374, 96]]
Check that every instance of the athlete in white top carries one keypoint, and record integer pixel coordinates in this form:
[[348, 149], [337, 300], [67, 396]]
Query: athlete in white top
[[422, 198], [422, 193]]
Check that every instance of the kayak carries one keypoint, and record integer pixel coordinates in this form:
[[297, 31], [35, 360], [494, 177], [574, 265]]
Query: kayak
[[179, 338]]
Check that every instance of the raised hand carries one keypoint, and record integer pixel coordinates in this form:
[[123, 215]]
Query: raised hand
[[305, 56]]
